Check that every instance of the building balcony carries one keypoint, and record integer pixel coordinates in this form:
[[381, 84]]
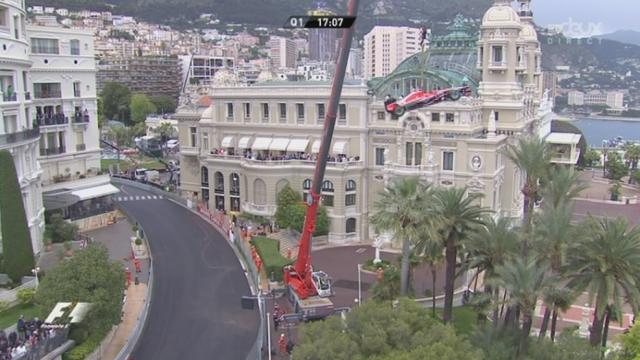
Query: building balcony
[[48, 94], [17, 137], [81, 147], [10, 97], [255, 209], [53, 151], [498, 65], [189, 150], [80, 119], [51, 119]]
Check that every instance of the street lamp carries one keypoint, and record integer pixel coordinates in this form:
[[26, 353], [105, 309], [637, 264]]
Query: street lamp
[[359, 284], [605, 145], [35, 272]]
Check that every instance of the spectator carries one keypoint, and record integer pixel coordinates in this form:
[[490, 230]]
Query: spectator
[[22, 328]]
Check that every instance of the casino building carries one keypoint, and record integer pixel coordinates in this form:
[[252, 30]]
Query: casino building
[[238, 153]]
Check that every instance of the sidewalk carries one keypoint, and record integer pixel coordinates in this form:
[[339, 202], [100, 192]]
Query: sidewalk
[[131, 313]]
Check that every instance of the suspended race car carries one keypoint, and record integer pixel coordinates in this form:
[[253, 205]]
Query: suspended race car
[[421, 98]]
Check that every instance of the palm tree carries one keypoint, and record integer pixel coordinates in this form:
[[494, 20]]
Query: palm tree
[[607, 264], [400, 210], [457, 214], [531, 156], [556, 298], [490, 247], [165, 131], [632, 154], [553, 230], [431, 251], [563, 185], [525, 281]]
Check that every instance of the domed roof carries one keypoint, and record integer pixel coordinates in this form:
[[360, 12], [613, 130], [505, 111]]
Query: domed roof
[[528, 32], [501, 14]]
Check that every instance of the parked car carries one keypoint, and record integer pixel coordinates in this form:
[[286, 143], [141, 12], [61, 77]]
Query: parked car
[[172, 144]]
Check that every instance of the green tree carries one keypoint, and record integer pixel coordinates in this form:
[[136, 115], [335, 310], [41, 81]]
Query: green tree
[[287, 196], [60, 230], [591, 157], [291, 211], [89, 276], [606, 263], [632, 155], [388, 288], [401, 211], [382, 331], [630, 344], [531, 156], [525, 282], [615, 191], [101, 118], [636, 177], [140, 107], [165, 104], [616, 168], [17, 250], [563, 186], [165, 130], [490, 247], [116, 98], [430, 250], [458, 214]]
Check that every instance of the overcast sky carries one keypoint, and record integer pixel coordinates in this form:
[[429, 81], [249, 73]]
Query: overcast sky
[[592, 15]]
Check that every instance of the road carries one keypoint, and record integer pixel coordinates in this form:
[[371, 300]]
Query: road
[[195, 311]]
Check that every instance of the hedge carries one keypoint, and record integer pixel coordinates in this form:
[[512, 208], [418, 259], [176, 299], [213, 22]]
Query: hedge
[[269, 251], [16, 238], [83, 350]]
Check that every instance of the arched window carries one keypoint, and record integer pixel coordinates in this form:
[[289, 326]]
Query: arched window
[[351, 185], [306, 185], [219, 183], [350, 194], [351, 226], [327, 193], [259, 192], [235, 184], [204, 176], [327, 186]]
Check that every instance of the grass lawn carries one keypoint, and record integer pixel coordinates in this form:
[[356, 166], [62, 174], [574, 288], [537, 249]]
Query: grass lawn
[[10, 316], [464, 319], [269, 251]]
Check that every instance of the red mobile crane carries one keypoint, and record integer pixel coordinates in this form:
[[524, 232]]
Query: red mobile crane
[[308, 289], [299, 276]]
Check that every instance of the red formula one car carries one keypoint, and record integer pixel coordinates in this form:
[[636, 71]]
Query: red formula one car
[[421, 98]]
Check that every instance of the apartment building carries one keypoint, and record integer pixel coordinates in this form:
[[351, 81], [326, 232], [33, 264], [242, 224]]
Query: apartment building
[[282, 52], [150, 75], [385, 47], [18, 134], [65, 111]]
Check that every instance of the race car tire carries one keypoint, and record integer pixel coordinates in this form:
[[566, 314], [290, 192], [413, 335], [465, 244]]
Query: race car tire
[[399, 111], [454, 95]]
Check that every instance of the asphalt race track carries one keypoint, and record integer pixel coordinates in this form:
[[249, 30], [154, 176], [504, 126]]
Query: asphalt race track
[[195, 312]]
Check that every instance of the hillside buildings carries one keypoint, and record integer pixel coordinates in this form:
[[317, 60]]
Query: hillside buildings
[[197, 69], [18, 133], [323, 43], [238, 153], [150, 75], [612, 99], [385, 47]]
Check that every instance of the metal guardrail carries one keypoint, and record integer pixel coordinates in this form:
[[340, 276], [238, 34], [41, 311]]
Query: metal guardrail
[[242, 253], [132, 341], [11, 138]]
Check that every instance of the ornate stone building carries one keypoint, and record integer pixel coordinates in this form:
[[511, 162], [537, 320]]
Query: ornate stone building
[[238, 153]]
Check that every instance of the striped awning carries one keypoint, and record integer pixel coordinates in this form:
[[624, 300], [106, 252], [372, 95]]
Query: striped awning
[[227, 142], [279, 144], [261, 143], [340, 148], [298, 145], [244, 142]]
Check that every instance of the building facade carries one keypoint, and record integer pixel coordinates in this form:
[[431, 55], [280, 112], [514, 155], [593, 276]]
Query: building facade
[[612, 99], [385, 47], [18, 134], [198, 69], [323, 43], [150, 75], [63, 77], [252, 141], [282, 52]]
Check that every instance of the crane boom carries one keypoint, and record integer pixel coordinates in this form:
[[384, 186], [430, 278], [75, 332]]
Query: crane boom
[[299, 275]]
